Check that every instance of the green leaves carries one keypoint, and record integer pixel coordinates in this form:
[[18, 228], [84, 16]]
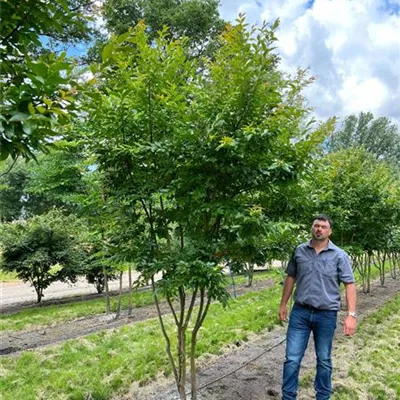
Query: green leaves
[[32, 248], [32, 76], [194, 143]]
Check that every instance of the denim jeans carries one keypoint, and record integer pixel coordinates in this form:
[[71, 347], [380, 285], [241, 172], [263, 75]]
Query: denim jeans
[[302, 322]]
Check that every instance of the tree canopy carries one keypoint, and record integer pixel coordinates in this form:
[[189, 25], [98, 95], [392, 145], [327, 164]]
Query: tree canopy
[[379, 136]]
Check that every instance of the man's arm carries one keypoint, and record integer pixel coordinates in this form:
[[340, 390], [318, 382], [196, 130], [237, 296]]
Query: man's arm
[[350, 322], [286, 293]]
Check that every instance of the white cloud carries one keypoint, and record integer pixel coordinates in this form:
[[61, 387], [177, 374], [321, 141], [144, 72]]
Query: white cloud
[[367, 94], [352, 47]]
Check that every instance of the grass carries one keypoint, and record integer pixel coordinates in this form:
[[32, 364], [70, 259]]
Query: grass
[[374, 372], [54, 314], [48, 315], [8, 276], [106, 363]]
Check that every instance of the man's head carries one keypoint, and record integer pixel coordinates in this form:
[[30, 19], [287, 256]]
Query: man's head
[[321, 227]]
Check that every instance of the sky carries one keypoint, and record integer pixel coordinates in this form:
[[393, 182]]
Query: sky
[[351, 47]]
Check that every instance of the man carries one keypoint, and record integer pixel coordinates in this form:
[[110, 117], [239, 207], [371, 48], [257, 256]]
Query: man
[[317, 268]]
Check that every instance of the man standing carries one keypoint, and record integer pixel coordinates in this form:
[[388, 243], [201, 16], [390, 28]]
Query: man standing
[[317, 268]]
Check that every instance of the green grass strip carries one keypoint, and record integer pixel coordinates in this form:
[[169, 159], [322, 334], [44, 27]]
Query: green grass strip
[[107, 362], [374, 371], [57, 313]]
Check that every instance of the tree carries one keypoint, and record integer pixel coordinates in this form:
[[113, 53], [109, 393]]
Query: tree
[[380, 136], [42, 250], [37, 85], [197, 20], [189, 152], [12, 189], [57, 179]]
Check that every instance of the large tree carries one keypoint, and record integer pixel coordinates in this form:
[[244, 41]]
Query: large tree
[[190, 152], [197, 20], [58, 179], [379, 136]]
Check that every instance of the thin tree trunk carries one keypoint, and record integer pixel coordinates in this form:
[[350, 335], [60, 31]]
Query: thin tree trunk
[[181, 333], [130, 291], [119, 295], [250, 274], [199, 322], [164, 332], [108, 304], [39, 294], [233, 280], [369, 272]]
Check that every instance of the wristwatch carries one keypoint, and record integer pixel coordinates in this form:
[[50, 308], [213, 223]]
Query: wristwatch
[[352, 314]]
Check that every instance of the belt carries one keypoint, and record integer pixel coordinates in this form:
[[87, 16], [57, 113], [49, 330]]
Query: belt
[[308, 307]]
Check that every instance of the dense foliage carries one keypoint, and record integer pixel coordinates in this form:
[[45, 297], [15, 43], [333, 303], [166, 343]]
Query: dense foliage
[[42, 250]]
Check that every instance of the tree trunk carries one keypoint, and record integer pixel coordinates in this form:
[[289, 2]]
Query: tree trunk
[[369, 272], [39, 293], [182, 363], [199, 322], [130, 291], [119, 295], [382, 270], [233, 281], [250, 274], [164, 332], [108, 304], [193, 375]]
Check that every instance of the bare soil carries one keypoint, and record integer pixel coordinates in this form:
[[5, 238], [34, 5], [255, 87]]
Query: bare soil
[[253, 370]]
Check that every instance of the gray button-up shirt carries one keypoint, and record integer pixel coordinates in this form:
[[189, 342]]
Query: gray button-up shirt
[[318, 276]]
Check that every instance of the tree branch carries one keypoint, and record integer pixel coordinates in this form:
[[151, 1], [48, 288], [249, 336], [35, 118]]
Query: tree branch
[[168, 342], [9, 169]]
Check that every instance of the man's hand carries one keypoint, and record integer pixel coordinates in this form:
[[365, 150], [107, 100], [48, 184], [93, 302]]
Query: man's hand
[[349, 326], [282, 312]]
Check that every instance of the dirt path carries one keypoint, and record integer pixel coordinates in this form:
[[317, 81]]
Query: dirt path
[[15, 341], [253, 371]]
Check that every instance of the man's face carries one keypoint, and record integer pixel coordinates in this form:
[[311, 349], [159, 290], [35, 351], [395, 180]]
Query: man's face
[[320, 230]]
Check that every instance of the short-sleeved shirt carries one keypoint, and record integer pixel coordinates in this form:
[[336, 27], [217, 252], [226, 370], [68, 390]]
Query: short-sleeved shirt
[[318, 276]]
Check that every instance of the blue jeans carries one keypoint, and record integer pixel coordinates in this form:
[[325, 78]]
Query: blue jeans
[[302, 322]]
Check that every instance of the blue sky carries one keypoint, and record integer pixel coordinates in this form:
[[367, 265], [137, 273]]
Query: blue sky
[[352, 47]]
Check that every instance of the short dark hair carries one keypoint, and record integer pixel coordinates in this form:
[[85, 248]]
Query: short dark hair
[[323, 217]]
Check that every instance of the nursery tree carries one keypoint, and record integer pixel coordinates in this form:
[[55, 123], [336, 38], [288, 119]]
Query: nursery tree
[[42, 250], [190, 152]]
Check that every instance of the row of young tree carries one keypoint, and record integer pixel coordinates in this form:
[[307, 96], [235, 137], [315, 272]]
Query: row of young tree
[[188, 148]]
